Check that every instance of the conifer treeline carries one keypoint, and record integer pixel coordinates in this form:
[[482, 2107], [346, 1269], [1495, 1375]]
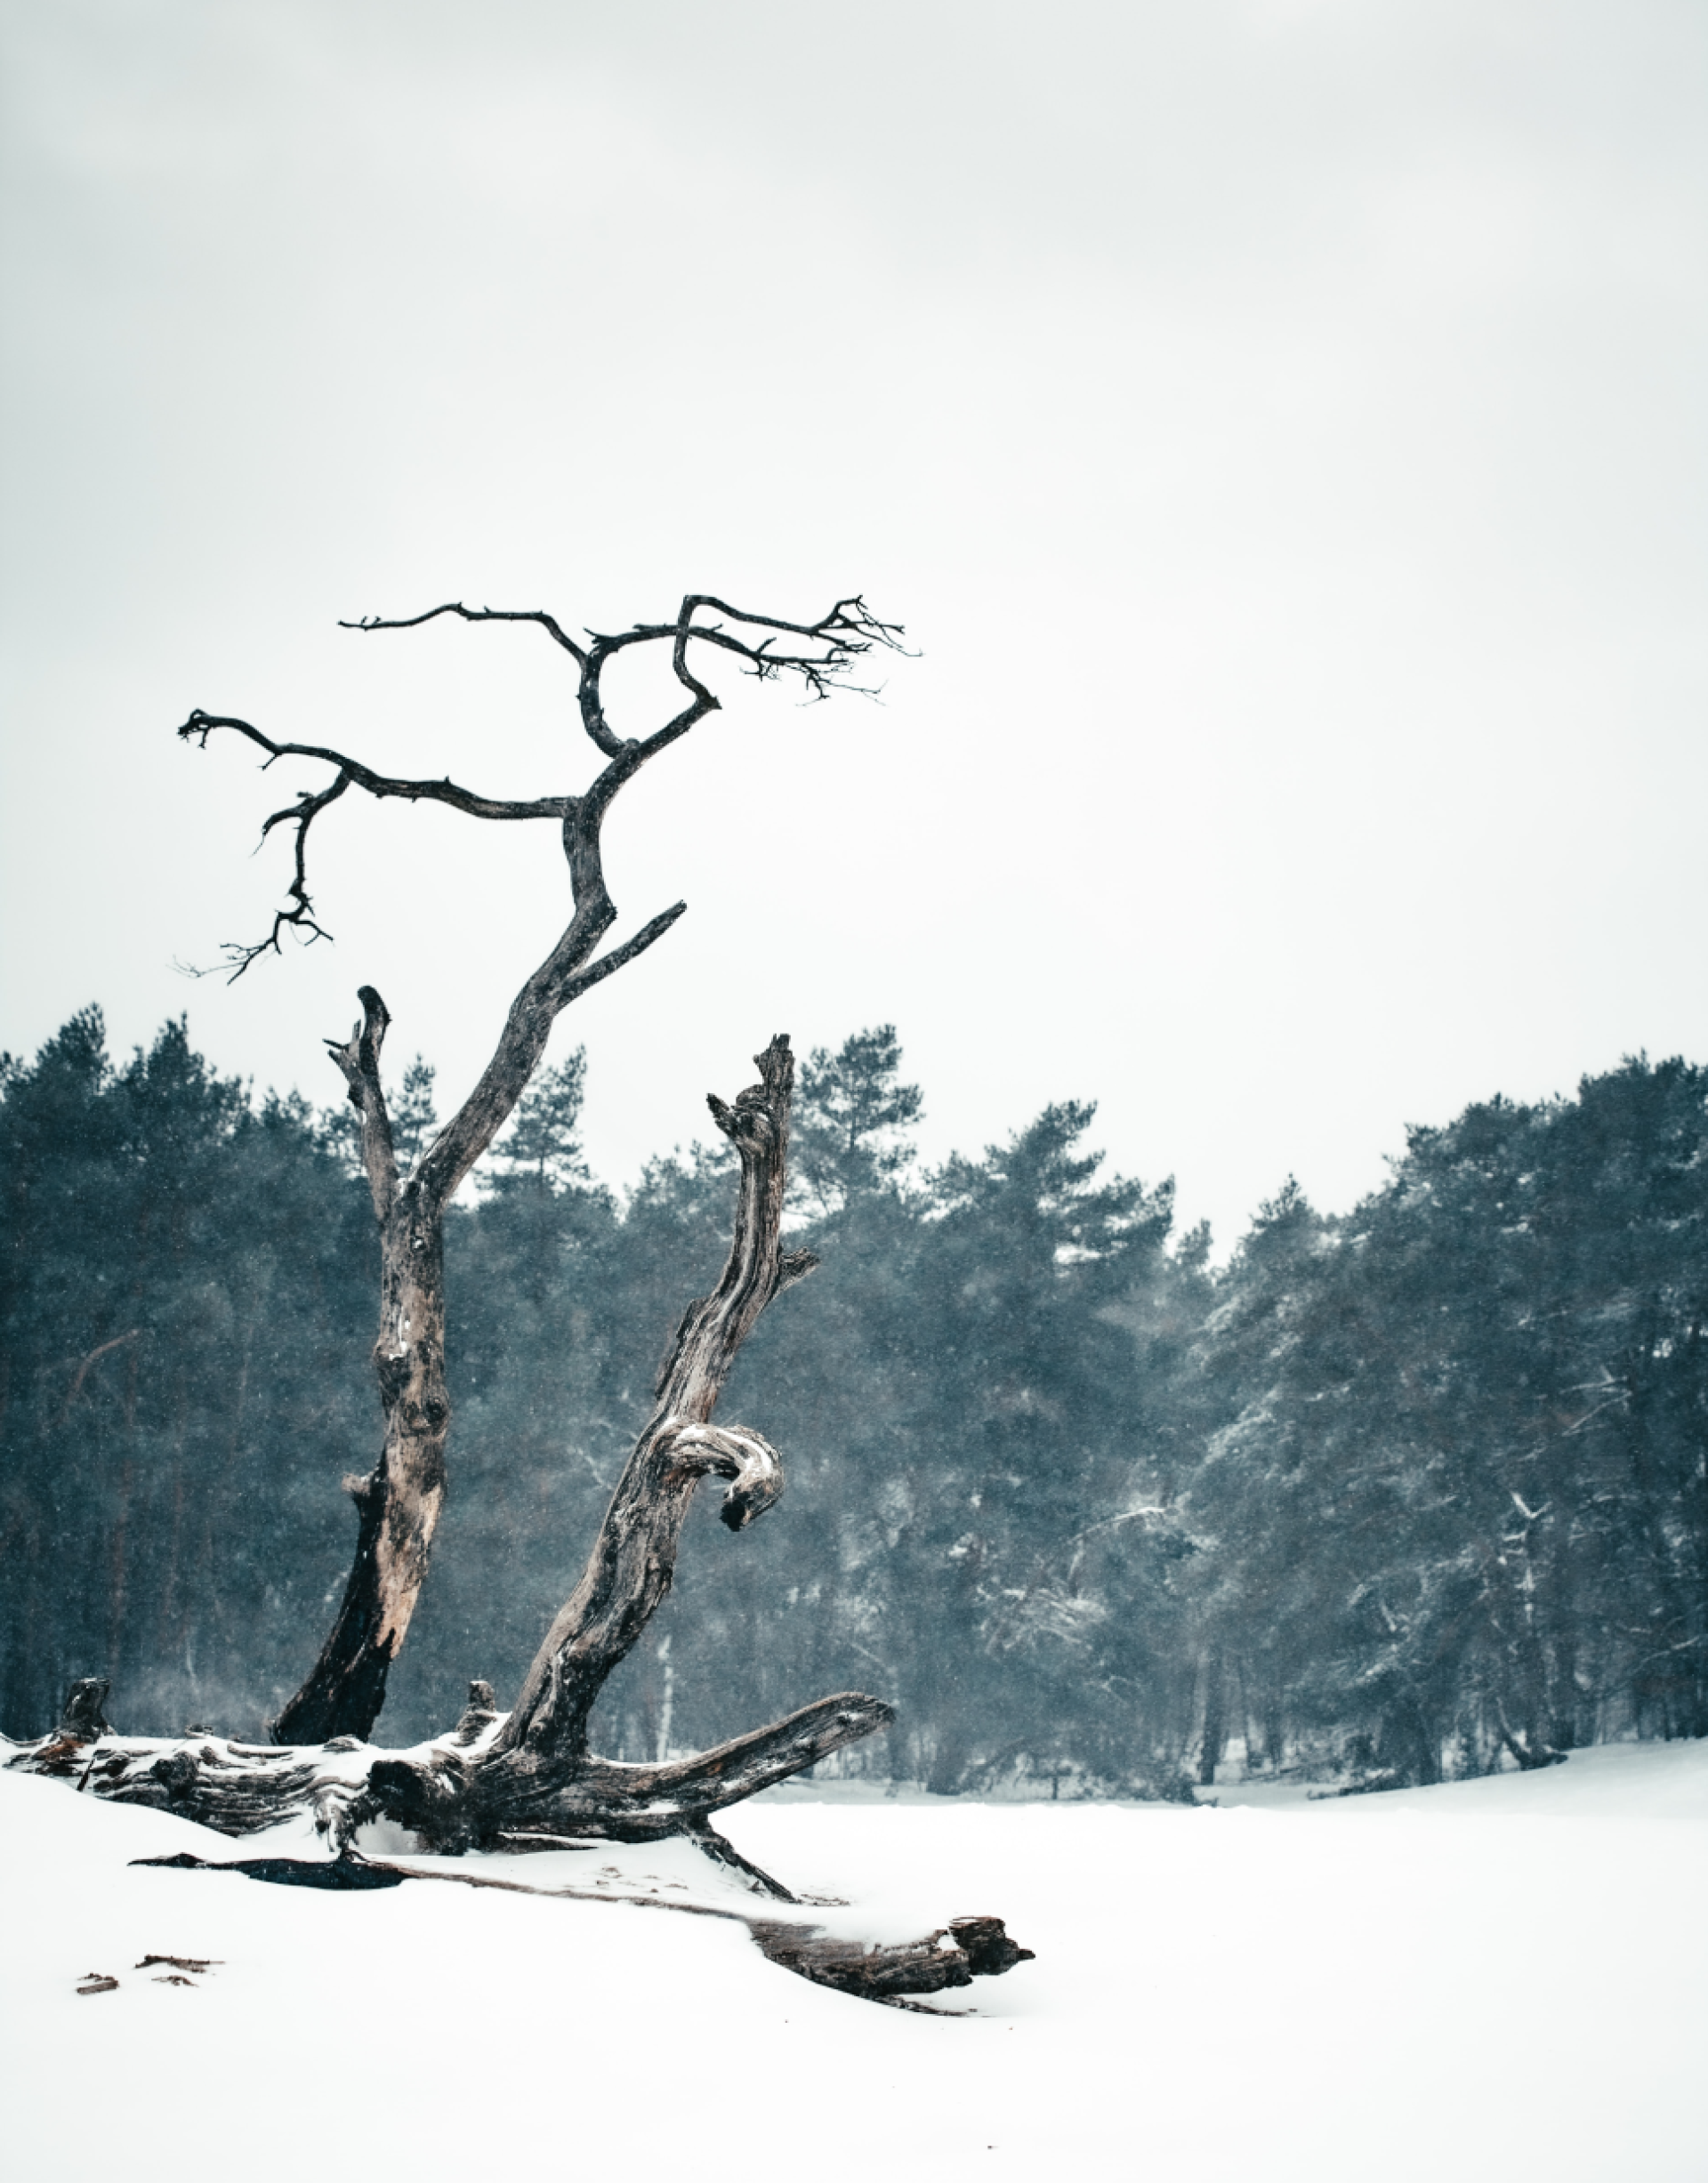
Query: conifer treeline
[[1390, 1496]]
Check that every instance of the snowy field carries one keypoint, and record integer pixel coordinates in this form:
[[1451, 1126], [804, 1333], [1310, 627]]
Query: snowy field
[[1504, 1978]]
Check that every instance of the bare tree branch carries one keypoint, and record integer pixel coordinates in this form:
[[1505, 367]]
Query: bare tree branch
[[200, 725], [300, 916], [475, 614], [846, 634], [839, 638]]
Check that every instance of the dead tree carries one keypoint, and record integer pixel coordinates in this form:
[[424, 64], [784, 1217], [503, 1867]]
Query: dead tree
[[398, 1502], [527, 1780]]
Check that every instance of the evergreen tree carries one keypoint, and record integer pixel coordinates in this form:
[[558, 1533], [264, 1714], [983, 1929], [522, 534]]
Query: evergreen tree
[[177, 1323], [415, 1121], [852, 1119], [540, 1147]]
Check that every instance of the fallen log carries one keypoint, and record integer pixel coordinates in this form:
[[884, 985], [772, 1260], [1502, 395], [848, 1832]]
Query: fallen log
[[950, 1957]]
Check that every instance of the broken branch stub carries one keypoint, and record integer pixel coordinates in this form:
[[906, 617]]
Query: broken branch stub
[[81, 1718]]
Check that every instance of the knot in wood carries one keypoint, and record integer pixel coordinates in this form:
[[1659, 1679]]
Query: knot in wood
[[749, 1124], [733, 1452], [176, 1774]]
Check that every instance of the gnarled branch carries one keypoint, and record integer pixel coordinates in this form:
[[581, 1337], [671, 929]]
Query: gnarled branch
[[835, 642], [629, 1569], [735, 1452], [299, 915]]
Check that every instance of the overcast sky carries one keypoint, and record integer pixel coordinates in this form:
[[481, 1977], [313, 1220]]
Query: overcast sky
[[1280, 427]]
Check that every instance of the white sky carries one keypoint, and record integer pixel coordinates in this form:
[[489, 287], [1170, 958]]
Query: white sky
[[1280, 426]]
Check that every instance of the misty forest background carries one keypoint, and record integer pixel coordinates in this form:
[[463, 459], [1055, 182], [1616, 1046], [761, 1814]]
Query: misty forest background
[[1401, 1494]]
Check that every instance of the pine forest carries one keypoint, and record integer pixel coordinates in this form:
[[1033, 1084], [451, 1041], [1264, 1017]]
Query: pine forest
[[1387, 1498]]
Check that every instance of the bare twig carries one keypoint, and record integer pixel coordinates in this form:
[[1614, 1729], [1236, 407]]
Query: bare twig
[[833, 643], [299, 917]]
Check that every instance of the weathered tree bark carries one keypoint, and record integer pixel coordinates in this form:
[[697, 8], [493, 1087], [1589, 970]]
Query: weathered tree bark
[[978, 1947], [81, 1717], [629, 1569], [240, 1790], [398, 1502]]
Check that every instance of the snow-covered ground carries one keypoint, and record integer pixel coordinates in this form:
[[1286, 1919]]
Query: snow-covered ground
[[1505, 1978]]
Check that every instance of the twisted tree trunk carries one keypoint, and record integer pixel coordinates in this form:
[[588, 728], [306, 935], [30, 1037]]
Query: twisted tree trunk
[[535, 1776]]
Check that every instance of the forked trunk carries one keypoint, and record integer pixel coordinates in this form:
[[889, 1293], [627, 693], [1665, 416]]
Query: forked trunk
[[398, 1502], [537, 1776]]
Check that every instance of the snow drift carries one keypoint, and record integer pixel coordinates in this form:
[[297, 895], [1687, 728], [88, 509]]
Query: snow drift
[[1500, 1978]]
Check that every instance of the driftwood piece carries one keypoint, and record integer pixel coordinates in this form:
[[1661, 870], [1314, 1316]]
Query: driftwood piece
[[952, 1956], [238, 1790], [976, 1948], [454, 1804], [242, 1789]]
